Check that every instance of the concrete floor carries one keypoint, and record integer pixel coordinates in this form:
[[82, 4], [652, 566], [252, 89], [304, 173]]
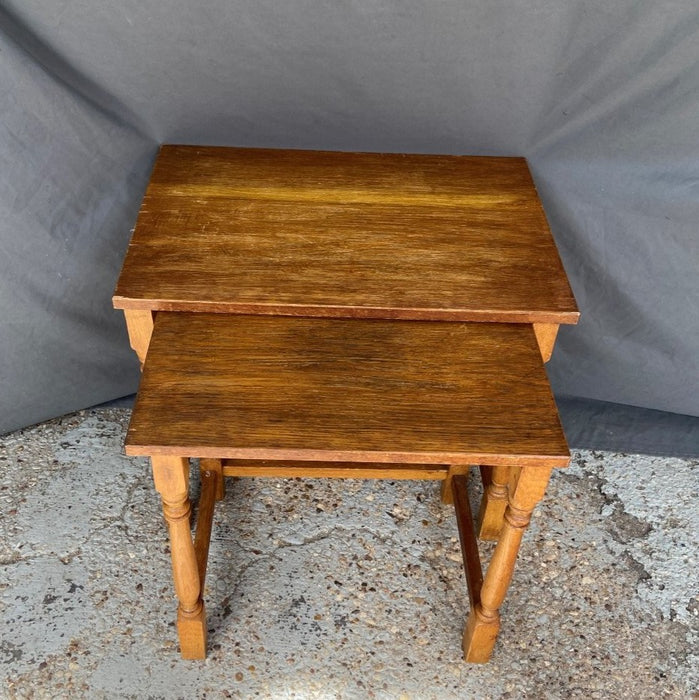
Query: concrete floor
[[337, 589]]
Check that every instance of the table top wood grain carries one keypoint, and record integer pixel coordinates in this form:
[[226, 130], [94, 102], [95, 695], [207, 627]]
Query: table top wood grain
[[349, 390], [316, 233]]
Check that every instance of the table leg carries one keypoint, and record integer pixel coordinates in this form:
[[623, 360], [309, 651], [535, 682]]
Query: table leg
[[171, 476], [139, 324], [493, 504], [446, 492], [546, 338], [526, 488], [215, 465]]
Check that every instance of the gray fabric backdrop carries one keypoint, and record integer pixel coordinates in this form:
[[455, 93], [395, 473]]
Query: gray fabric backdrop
[[602, 98]]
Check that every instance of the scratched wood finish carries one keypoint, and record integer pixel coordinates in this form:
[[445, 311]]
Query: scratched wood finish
[[263, 387], [317, 233]]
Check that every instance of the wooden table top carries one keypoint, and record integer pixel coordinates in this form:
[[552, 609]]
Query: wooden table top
[[351, 390], [317, 233]]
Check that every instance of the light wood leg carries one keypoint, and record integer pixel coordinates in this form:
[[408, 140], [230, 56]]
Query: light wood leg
[[171, 476], [140, 327], [546, 337], [493, 504], [526, 488]]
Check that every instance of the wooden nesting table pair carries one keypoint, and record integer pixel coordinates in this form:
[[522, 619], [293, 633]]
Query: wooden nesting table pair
[[322, 314]]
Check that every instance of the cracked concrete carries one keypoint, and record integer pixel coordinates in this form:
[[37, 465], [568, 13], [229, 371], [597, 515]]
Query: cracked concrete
[[326, 589]]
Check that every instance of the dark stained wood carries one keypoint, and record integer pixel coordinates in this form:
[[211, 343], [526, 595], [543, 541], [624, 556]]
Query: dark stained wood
[[263, 387], [467, 535], [316, 233]]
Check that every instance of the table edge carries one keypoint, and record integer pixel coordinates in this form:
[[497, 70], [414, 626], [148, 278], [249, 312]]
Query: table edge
[[359, 456], [570, 317]]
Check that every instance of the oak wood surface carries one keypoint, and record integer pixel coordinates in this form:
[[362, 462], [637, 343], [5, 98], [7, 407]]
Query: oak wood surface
[[262, 387], [344, 234]]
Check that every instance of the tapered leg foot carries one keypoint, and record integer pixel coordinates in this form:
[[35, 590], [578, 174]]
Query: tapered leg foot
[[191, 628], [480, 634]]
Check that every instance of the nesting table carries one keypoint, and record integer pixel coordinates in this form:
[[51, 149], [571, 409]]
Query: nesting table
[[345, 315]]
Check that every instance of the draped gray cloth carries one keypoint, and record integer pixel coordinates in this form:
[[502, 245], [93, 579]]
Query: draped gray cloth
[[602, 98]]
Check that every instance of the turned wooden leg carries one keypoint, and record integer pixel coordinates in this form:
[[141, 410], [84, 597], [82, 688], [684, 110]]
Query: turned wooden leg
[[171, 475], [140, 327], [526, 488], [546, 338], [493, 504]]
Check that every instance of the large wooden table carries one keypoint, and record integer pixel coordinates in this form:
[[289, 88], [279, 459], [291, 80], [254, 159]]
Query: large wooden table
[[357, 235], [346, 315]]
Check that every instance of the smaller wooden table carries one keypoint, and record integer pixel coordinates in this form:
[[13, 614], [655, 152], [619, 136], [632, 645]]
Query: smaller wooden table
[[270, 396]]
